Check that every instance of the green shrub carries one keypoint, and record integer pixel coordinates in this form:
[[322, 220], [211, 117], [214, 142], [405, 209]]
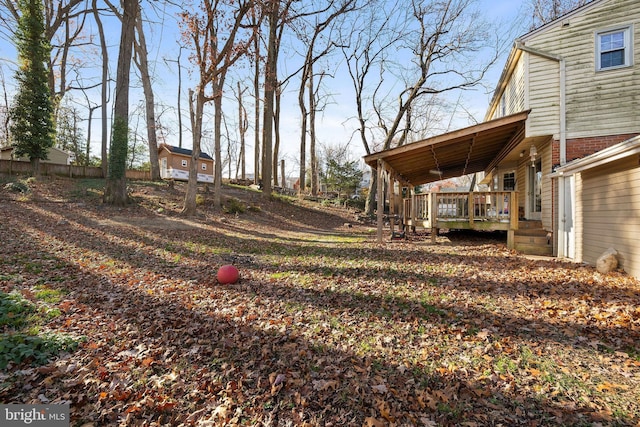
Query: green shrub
[[234, 206], [20, 347], [21, 340], [14, 310]]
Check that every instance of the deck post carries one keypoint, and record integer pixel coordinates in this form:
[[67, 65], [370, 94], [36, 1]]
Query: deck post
[[433, 211], [470, 210], [513, 220], [391, 191], [380, 206], [413, 207]]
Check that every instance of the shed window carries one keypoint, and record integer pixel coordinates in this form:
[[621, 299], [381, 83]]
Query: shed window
[[184, 163], [613, 49]]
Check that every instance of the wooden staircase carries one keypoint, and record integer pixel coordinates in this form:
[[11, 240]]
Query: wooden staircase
[[531, 239]]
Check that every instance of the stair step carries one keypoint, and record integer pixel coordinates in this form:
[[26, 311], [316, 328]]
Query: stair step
[[533, 240], [532, 249], [529, 224], [531, 232]]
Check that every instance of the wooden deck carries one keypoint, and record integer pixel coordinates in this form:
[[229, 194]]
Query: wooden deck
[[488, 211]]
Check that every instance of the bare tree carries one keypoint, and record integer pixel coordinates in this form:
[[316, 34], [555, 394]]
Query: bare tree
[[141, 60], [256, 22], [116, 186], [439, 39], [243, 126], [104, 90], [323, 21], [543, 11], [214, 38], [270, 85], [179, 93]]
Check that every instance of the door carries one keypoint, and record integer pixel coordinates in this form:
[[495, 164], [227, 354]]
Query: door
[[568, 217], [534, 190], [163, 167]]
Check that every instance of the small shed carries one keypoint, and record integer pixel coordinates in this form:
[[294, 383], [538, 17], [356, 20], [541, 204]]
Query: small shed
[[174, 164], [603, 196], [55, 156]]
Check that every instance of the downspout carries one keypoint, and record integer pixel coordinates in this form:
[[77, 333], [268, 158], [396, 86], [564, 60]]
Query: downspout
[[563, 137]]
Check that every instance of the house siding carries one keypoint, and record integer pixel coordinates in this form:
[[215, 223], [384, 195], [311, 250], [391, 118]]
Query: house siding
[[608, 208], [513, 99], [597, 102], [578, 223]]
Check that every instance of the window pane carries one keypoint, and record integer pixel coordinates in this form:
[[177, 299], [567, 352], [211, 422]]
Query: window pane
[[612, 41], [612, 59]]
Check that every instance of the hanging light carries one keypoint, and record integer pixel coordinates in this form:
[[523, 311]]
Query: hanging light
[[533, 153]]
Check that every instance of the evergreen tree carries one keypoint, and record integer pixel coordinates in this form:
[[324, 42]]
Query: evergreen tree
[[32, 126], [342, 177], [70, 137]]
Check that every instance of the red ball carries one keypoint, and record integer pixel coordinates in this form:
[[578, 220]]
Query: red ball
[[227, 274]]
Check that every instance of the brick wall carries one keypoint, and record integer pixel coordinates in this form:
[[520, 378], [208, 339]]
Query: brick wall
[[578, 148]]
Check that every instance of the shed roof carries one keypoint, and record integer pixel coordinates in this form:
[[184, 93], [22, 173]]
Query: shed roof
[[472, 149], [183, 151]]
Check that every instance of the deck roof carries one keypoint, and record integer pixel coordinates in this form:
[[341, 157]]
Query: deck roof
[[472, 149]]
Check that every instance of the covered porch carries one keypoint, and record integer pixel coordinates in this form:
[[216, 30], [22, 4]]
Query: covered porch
[[466, 151]]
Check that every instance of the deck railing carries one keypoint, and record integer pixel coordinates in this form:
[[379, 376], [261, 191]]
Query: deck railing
[[491, 210]]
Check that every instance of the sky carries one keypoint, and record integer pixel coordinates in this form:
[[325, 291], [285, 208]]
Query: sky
[[335, 125]]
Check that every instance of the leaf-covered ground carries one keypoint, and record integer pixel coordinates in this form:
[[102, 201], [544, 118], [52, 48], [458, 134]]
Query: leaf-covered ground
[[325, 327]]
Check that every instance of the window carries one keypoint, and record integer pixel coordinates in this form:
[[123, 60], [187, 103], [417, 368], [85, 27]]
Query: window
[[204, 166], [184, 163], [509, 181], [613, 49]]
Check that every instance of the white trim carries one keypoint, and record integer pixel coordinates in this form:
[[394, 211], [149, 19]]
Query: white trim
[[611, 154]]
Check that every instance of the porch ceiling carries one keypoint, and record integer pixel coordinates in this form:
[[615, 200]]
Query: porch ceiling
[[473, 149]]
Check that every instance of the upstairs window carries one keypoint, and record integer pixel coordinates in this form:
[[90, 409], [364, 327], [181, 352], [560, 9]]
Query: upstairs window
[[613, 49]]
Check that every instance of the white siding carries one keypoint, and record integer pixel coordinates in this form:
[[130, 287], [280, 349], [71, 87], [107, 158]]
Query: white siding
[[513, 96], [608, 206], [578, 223], [543, 94], [598, 103]]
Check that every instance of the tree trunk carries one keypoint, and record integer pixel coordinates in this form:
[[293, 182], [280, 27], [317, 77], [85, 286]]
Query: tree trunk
[[370, 203], [217, 125], [116, 188], [256, 90], [303, 136], [312, 135], [104, 90], [276, 146], [271, 82], [189, 208], [243, 125], [143, 66]]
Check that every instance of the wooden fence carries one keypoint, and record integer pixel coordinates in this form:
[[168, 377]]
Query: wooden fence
[[17, 167]]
